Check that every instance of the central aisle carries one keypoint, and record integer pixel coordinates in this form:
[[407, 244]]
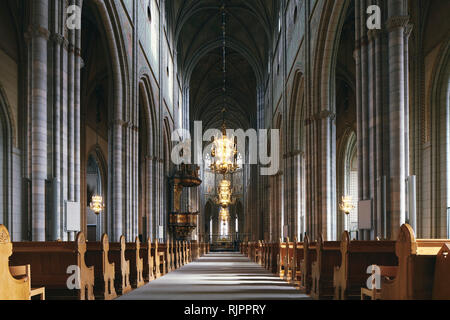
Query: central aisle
[[218, 276]]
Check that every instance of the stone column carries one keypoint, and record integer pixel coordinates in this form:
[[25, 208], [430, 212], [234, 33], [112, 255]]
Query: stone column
[[77, 109], [396, 206], [57, 41], [38, 36]]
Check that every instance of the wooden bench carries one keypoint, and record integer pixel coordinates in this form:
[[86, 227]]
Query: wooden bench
[[274, 257], [122, 266], [97, 255], [24, 272], [309, 255], [356, 256], [148, 256], [160, 260], [258, 252], [374, 293], [136, 263], [169, 256], [441, 286], [12, 288], [297, 257], [50, 263], [282, 259], [328, 255], [416, 267], [289, 260]]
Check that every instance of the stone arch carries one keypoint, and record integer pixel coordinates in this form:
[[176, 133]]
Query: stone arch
[[440, 141], [146, 163], [98, 90], [6, 178], [347, 151], [323, 112], [102, 219], [296, 156], [120, 79]]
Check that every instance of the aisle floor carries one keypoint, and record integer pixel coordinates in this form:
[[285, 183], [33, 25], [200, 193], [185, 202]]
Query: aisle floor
[[218, 276]]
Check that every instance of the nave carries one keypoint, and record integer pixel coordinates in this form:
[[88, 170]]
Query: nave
[[218, 276]]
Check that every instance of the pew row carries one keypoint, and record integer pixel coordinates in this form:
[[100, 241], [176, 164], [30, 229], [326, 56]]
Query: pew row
[[328, 255], [11, 288], [60, 267], [122, 266], [356, 256], [133, 255], [417, 263], [97, 255], [309, 255]]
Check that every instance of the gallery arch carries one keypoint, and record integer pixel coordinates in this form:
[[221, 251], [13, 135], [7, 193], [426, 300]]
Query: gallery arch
[[96, 99]]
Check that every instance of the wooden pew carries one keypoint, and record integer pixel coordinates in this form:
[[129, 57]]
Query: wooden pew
[[168, 256], [160, 260], [11, 288], [297, 257], [274, 258], [147, 254], [24, 272], [328, 255], [188, 255], [309, 255], [384, 272], [258, 252], [97, 255], [441, 286], [416, 267], [50, 262], [263, 253], [122, 266], [356, 257], [282, 259], [136, 263], [289, 260]]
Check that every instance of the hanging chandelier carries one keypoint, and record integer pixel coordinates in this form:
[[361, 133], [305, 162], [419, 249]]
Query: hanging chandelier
[[97, 204], [346, 204], [224, 195], [224, 151], [224, 214]]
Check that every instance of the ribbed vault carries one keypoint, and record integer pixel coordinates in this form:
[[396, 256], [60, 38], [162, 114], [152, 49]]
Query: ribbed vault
[[197, 28]]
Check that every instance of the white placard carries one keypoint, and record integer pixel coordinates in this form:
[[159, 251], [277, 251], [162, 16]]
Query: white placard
[[161, 232], [365, 215], [73, 219]]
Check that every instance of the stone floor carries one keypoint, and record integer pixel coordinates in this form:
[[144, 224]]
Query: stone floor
[[218, 276]]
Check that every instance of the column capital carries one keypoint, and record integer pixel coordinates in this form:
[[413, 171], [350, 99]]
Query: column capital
[[57, 38], [395, 22], [36, 31]]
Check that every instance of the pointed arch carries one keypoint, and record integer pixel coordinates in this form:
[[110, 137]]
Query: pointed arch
[[6, 145]]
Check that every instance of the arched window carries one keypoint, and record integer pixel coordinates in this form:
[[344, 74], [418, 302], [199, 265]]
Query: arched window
[[3, 184], [351, 184], [94, 184]]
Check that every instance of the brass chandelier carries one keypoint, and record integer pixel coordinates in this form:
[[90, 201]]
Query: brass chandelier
[[97, 205], [224, 194], [224, 214], [224, 151]]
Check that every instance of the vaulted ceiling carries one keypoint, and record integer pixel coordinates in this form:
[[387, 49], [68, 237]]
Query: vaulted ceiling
[[197, 27]]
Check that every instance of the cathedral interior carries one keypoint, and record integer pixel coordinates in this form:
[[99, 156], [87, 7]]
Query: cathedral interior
[[240, 132]]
